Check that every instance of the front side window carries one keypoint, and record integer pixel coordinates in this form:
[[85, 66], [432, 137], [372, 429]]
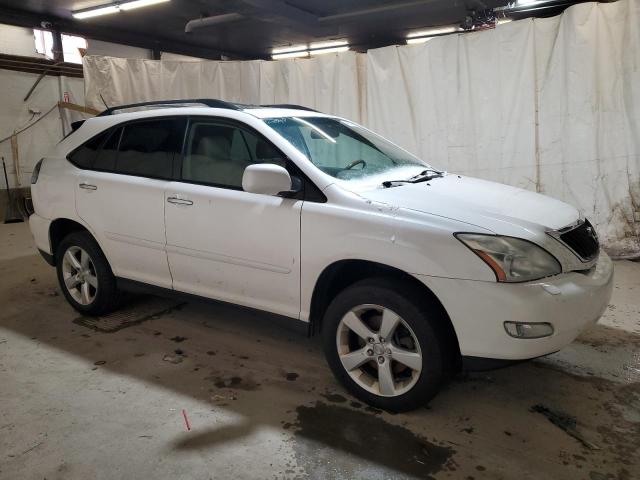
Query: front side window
[[346, 150], [218, 153]]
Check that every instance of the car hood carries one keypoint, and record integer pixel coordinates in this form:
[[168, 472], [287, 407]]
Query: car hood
[[478, 202]]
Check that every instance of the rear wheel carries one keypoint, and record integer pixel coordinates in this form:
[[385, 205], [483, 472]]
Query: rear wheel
[[85, 276], [385, 347]]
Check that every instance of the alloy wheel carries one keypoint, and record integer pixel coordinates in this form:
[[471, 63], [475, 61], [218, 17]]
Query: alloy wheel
[[79, 275], [379, 350]]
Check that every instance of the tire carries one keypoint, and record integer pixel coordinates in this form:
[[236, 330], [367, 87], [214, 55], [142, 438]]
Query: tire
[[419, 331], [89, 270]]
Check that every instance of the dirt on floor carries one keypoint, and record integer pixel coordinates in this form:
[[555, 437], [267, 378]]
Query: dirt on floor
[[170, 390]]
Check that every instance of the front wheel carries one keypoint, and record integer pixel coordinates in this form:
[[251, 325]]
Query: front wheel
[[387, 349], [85, 276]]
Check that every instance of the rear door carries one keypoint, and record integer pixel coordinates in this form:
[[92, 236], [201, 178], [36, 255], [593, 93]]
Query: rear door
[[120, 195]]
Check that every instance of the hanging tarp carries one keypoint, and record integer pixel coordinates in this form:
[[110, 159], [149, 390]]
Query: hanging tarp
[[551, 105], [327, 83]]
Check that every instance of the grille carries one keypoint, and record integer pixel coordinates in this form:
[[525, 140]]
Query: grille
[[583, 241]]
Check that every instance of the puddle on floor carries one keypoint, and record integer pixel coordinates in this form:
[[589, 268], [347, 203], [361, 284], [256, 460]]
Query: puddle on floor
[[333, 442]]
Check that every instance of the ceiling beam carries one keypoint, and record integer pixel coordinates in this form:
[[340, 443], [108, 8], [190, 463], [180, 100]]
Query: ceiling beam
[[280, 12], [372, 10]]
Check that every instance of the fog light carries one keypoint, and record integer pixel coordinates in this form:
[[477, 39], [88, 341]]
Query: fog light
[[528, 330]]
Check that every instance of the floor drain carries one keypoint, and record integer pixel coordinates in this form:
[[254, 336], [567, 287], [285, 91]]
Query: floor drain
[[133, 312]]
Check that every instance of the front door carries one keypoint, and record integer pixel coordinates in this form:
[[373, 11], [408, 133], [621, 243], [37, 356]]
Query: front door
[[225, 243]]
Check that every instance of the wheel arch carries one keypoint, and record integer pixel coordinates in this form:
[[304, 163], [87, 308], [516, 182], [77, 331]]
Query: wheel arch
[[341, 274], [60, 228]]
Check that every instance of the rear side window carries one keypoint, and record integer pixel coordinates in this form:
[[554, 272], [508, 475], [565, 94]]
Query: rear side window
[[106, 158], [147, 148], [84, 155]]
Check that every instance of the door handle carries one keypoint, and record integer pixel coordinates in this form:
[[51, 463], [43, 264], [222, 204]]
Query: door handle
[[179, 201], [88, 186]]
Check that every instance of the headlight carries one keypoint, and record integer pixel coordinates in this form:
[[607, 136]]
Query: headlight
[[511, 259]]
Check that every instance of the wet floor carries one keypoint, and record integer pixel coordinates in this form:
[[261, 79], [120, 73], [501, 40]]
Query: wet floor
[[207, 391]]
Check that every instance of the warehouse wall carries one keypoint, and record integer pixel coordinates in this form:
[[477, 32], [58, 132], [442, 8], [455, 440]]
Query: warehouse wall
[[17, 41], [34, 143], [15, 114]]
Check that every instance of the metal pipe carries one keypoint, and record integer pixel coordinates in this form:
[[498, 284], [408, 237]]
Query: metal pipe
[[514, 7], [38, 80], [210, 21]]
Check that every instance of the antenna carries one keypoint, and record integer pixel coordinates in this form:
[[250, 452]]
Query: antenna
[[105, 103]]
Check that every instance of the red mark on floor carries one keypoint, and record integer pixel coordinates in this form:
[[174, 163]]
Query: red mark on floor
[[186, 420]]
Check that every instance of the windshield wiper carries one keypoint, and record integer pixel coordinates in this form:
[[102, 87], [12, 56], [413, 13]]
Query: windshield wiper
[[423, 176]]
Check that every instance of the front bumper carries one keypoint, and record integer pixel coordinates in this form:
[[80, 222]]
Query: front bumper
[[478, 310]]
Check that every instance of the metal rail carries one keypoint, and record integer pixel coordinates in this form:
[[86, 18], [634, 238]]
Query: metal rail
[[203, 101], [209, 102]]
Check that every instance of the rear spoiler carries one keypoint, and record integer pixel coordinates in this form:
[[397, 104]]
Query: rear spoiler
[[76, 125]]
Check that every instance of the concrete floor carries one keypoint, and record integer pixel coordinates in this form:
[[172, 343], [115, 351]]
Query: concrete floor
[[79, 403]]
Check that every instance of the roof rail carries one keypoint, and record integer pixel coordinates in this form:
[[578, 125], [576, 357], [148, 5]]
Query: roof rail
[[209, 102], [289, 105]]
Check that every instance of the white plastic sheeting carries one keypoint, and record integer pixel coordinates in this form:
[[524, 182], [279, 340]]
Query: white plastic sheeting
[[551, 105], [548, 104], [329, 83]]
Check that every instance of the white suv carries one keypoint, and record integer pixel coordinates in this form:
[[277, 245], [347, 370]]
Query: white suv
[[409, 273]]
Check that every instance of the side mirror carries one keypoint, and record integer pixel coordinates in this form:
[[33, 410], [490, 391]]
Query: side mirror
[[266, 178]]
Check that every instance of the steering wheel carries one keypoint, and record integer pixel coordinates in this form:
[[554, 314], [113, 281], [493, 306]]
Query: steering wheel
[[354, 163]]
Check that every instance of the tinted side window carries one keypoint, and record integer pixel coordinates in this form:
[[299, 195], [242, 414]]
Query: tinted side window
[[217, 154], [262, 151], [84, 155], [106, 159], [147, 148]]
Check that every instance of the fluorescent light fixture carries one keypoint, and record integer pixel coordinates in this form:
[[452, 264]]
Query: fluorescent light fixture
[[114, 8], [329, 50], [299, 51], [336, 43], [96, 12], [414, 41], [527, 2], [139, 3], [280, 56], [296, 48], [433, 31]]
